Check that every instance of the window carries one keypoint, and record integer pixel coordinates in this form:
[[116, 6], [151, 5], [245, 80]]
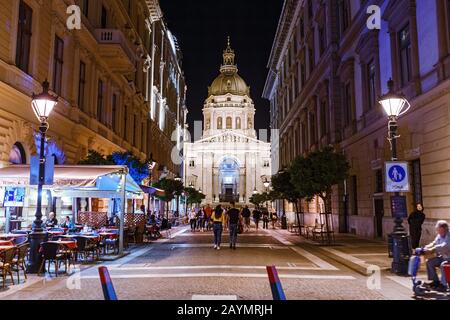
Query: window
[[304, 137], [347, 104], [416, 181], [379, 181], [354, 195], [100, 101], [312, 128], [322, 40], [344, 15], [229, 123], [323, 118], [371, 98], [134, 142], [81, 85], [85, 8], [302, 29], [143, 135], [191, 163], [266, 164], [404, 40], [310, 10], [125, 122], [104, 18], [311, 59], [219, 123], [24, 37], [238, 123], [114, 111], [58, 65]]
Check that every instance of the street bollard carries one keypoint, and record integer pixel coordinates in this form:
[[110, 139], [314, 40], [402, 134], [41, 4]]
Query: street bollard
[[275, 284], [108, 289], [446, 271]]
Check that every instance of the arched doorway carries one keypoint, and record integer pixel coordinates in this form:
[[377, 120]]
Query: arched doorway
[[229, 180], [17, 154]]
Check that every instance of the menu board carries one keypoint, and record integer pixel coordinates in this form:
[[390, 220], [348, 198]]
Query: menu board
[[14, 197], [398, 207]]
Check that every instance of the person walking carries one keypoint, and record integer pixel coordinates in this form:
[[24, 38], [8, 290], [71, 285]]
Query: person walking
[[218, 218], [274, 218], [265, 215], [200, 219], [415, 221], [208, 213], [193, 220], [256, 217], [225, 212], [246, 215], [233, 218]]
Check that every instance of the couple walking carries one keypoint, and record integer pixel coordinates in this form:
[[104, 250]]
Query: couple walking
[[219, 219]]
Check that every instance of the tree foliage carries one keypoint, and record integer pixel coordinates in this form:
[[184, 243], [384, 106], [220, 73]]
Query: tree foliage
[[259, 198], [171, 188], [193, 196], [318, 172], [139, 170]]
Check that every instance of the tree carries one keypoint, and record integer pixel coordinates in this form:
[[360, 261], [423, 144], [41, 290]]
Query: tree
[[317, 173], [171, 188], [282, 184], [138, 170], [193, 196], [258, 198], [96, 158]]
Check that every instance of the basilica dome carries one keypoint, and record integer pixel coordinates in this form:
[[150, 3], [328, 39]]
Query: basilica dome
[[229, 81]]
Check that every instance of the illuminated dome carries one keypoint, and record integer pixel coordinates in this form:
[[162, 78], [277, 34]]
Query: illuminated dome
[[229, 81]]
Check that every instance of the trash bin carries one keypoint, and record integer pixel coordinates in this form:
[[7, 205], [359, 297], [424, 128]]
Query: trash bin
[[401, 252], [283, 222]]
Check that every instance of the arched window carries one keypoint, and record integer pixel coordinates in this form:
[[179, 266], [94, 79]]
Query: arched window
[[238, 123], [219, 123], [17, 154], [229, 123]]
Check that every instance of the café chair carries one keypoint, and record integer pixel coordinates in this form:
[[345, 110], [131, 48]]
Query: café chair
[[6, 261]]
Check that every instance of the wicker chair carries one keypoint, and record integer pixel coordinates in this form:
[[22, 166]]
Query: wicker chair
[[6, 261], [19, 261], [92, 247], [50, 253]]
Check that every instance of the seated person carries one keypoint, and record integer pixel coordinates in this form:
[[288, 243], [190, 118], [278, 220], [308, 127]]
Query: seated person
[[68, 223], [440, 246], [51, 221], [114, 220], [152, 220]]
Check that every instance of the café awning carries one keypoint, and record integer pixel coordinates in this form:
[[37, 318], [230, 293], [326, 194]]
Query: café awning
[[77, 181]]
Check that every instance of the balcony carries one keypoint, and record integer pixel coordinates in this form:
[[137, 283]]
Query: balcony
[[115, 50], [229, 197]]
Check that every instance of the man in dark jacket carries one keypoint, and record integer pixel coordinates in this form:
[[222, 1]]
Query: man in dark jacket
[[233, 220], [415, 221]]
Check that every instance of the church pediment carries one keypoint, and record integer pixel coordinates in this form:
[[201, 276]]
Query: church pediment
[[229, 137]]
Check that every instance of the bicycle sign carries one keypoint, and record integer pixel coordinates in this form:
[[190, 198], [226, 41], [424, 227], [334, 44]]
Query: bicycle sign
[[397, 177]]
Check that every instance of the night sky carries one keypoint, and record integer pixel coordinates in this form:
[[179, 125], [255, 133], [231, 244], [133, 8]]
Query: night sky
[[202, 27]]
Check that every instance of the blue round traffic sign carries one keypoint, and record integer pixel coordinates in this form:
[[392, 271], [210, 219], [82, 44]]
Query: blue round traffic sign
[[397, 173]]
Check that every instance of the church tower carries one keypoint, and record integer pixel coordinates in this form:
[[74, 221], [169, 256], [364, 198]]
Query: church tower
[[229, 106]]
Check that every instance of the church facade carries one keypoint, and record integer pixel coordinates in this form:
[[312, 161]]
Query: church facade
[[228, 163]]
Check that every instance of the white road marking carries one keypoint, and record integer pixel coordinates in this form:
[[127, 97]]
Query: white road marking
[[314, 259], [239, 245], [224, 275], [347, 257], [290, 267], [213, 297], [406, 282]]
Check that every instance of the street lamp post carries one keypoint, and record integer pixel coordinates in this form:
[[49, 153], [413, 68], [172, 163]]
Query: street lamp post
[[43, 105], [394, 106]]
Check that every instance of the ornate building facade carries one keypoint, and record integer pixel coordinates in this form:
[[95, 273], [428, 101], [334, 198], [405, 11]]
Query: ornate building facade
[[327, 71], [118, 78], [228, 163]]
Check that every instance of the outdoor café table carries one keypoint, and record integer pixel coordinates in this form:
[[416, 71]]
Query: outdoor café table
[[11, 236], [6, 243], [71, 245], [4, 248], [55, 232]]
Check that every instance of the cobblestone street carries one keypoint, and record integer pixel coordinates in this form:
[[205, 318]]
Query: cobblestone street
[[186, 266]]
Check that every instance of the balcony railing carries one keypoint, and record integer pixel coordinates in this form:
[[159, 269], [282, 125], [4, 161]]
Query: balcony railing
[[115, 49]]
